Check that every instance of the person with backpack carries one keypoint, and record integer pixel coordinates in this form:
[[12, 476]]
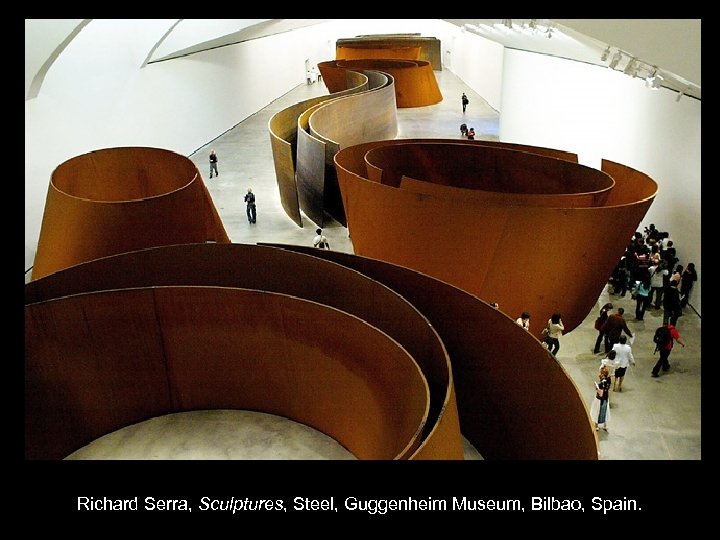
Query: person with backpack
[[320, 241], [664, 338]]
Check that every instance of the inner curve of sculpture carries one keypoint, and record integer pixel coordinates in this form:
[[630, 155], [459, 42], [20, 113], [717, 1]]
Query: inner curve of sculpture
[[522, 229], [114, 200], [161, 332]]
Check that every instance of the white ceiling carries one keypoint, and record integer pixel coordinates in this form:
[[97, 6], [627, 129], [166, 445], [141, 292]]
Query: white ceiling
[[670, 45]]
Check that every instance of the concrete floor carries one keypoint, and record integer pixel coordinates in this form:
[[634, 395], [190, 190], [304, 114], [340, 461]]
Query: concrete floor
[[652, 419]]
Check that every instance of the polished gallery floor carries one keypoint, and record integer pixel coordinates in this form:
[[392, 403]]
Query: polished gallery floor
[[651, 419]]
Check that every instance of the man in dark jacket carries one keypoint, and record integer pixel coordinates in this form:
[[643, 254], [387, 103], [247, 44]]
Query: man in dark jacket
[[671, 303], [613, 329]]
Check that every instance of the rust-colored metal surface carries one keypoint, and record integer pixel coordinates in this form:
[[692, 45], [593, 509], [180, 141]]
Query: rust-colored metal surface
[[415, 82], [397, 52], [283, 139], [323, 128], [496, 366], [390, 46], [121, 199], [544, 246], [100, 361], [265, 268], [283, 128]]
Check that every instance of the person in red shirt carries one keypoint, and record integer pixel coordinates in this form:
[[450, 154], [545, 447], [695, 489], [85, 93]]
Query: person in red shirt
[[666, 349]]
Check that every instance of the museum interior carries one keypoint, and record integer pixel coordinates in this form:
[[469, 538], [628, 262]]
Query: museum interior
[[168, 318]]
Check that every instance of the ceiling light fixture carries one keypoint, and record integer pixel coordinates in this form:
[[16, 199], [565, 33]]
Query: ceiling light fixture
[[605, 54], [683, 92], [654, 80], [615, 60], [631, 68]]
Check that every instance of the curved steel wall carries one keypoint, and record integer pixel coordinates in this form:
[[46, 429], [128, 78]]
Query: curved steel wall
[[504, 413], [544, 253], [415, 82], [326, 127], [100, 361], [120, 199], [283, 128], [391, 46], [499, 410], [227, 266]]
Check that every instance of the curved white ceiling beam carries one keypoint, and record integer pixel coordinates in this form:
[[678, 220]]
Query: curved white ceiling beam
[[45, 40], [195, 35]]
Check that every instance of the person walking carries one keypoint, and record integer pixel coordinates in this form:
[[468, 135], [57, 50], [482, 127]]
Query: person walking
[[524, 320], [251, 209], [600, 409], [642, 297], [604, 314], [320, 241], [614, 327], [623, 358], [665, 349], [555, 330], [610, 362], [213, 164], [465, 102]]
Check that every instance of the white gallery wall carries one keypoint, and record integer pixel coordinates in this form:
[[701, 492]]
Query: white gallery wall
[[99, 93], [599, 113]]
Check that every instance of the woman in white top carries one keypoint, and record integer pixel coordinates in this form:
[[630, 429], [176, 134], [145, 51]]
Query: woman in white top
[[524, 320], [623, 358], [657, 284], [555, 330]]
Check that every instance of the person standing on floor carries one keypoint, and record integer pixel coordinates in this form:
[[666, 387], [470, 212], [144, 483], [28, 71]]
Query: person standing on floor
[[524, 320], [251, 209], [689, 276], [614, 327], [600, 410], [471, 134], [213, 164], [671, 303], [555, 330], [604, 314], [623, 358], [465, 101], [657, 283], [642, 297], [320, 241], [665, 350], [610, 362]]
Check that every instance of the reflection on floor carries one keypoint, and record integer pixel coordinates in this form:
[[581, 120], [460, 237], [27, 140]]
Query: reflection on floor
[[651, 419]]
